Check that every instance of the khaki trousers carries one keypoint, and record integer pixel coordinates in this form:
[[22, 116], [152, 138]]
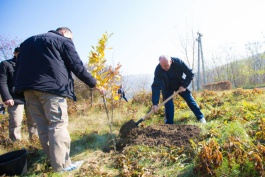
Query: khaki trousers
[[15, 121], [49, 111]]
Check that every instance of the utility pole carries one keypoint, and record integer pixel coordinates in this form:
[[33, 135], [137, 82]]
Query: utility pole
[[200, 58]]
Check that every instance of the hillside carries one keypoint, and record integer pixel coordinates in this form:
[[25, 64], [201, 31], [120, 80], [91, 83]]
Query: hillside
[[246, 72], [136, 83]]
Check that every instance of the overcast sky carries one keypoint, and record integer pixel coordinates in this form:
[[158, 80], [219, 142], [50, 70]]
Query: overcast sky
[[142, 29]]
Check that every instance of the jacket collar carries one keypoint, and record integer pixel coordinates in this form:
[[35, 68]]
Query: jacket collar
[[53, 31]]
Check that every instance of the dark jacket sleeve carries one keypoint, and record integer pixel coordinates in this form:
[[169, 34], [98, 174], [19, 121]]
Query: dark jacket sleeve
[[156, 87], [75, 64], [5, 94], [188, 72]]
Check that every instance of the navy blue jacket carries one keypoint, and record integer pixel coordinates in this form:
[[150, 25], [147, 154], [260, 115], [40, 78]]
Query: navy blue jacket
[[46, 62], [171, 79], [7, 74]]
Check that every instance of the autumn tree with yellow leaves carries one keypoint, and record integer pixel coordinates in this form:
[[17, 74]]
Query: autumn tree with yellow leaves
[[108, 77]]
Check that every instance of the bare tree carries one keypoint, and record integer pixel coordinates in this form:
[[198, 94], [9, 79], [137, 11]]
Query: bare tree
[[7, 47], [257, 63], [187, 43]]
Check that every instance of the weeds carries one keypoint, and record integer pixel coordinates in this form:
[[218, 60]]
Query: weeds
[[231, 143]]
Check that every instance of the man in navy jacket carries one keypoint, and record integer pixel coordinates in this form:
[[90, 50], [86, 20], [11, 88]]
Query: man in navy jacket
[[169, 78], [44, 74]]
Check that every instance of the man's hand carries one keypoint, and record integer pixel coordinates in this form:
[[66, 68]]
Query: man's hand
[[9, 102], [101, 90], [155, 108], [182, 89]]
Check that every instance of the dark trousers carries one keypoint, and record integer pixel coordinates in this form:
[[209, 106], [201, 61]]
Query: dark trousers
[[123, 96], [187, 96]]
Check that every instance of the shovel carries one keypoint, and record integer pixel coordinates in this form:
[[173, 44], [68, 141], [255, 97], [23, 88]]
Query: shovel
[[127, 127], [160, 105]]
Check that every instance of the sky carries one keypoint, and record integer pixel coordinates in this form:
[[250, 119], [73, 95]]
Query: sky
[[142, 29]]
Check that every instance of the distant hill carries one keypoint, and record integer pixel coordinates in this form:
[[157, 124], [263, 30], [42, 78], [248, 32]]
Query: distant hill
[[136, 83]]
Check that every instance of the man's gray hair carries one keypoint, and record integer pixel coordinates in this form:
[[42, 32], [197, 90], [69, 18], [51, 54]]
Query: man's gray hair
[[166, 57], [63, 28]]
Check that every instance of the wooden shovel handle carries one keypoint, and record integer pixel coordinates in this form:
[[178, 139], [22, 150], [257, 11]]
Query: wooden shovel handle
[[160, 105]]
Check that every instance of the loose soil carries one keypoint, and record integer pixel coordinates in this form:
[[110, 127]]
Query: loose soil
[[154, 135]]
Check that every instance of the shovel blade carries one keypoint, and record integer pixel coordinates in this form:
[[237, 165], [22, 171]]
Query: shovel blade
[[126, 128]]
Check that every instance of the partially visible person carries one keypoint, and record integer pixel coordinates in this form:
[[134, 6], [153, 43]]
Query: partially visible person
[[2, 108], [168, 77], [122, 93], [15, 103], [44, 74]]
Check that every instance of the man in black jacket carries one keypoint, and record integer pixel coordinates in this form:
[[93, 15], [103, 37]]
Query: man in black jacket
[[44, 75], [14, 102], [169, 78], [122, 93]]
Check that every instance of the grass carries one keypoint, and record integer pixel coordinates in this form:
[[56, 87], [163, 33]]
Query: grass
[[234, 120]]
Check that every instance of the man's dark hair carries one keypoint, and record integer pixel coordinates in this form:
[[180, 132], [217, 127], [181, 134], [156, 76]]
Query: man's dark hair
[[63, 28], [17, 49]]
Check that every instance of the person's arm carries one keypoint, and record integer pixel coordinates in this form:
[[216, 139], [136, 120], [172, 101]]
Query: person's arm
[[4, 91], [189, 74], [75, 64], [156, 88]]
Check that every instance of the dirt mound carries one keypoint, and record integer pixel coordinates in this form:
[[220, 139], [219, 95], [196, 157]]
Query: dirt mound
[[164, 134]]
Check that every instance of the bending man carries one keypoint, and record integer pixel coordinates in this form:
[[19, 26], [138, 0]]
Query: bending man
[[169, 78]]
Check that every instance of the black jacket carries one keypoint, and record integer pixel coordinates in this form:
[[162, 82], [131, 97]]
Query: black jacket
[[46, 62], [7, 89], [171, 79]]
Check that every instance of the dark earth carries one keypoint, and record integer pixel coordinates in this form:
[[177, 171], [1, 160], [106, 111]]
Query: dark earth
[[154, 135]]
